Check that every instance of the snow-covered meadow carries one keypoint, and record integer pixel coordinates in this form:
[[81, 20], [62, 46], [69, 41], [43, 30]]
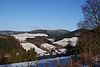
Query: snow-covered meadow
[[64, 41], [23, 36]]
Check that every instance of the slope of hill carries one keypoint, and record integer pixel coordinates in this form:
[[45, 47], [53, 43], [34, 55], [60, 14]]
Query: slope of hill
[[8, 43], [28, 46], [75, 33], [64, 41], [11, 51]]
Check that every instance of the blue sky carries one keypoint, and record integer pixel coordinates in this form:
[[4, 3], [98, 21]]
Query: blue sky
[[46, 14]]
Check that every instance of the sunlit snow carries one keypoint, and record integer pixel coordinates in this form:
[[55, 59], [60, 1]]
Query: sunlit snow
[[64, 41]]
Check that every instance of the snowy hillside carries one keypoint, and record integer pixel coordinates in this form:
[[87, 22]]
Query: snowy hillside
[[22, 37], [74, 41], [28, 46], [64, 41], [43, 49]]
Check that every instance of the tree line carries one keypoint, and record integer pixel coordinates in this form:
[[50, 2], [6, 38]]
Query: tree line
[[12, 52]]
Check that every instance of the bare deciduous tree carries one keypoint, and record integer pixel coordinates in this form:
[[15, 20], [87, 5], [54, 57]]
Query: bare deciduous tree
[[91, 11], [90, 39]]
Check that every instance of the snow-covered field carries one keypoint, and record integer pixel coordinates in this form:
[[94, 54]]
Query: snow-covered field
[[53, 62], [28, 46], [42, 63], [23, 36], [64, 41]]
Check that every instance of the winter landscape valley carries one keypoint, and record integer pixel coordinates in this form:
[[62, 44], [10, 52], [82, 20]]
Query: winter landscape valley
[[50, 46], [49, 33]]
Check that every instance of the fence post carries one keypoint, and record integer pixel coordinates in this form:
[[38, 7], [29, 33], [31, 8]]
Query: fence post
[[36, 63], [59, 65]]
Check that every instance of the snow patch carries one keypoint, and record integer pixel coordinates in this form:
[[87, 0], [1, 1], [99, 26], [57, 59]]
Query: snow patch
[[48, 46], [62, 50], [52, 40]]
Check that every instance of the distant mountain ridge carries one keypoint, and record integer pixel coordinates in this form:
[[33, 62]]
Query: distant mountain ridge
[[9, 32], [55, 34], [51, 33], [33, 31]]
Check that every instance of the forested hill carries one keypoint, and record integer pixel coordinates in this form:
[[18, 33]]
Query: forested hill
[[74, 33], [8, 43]]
